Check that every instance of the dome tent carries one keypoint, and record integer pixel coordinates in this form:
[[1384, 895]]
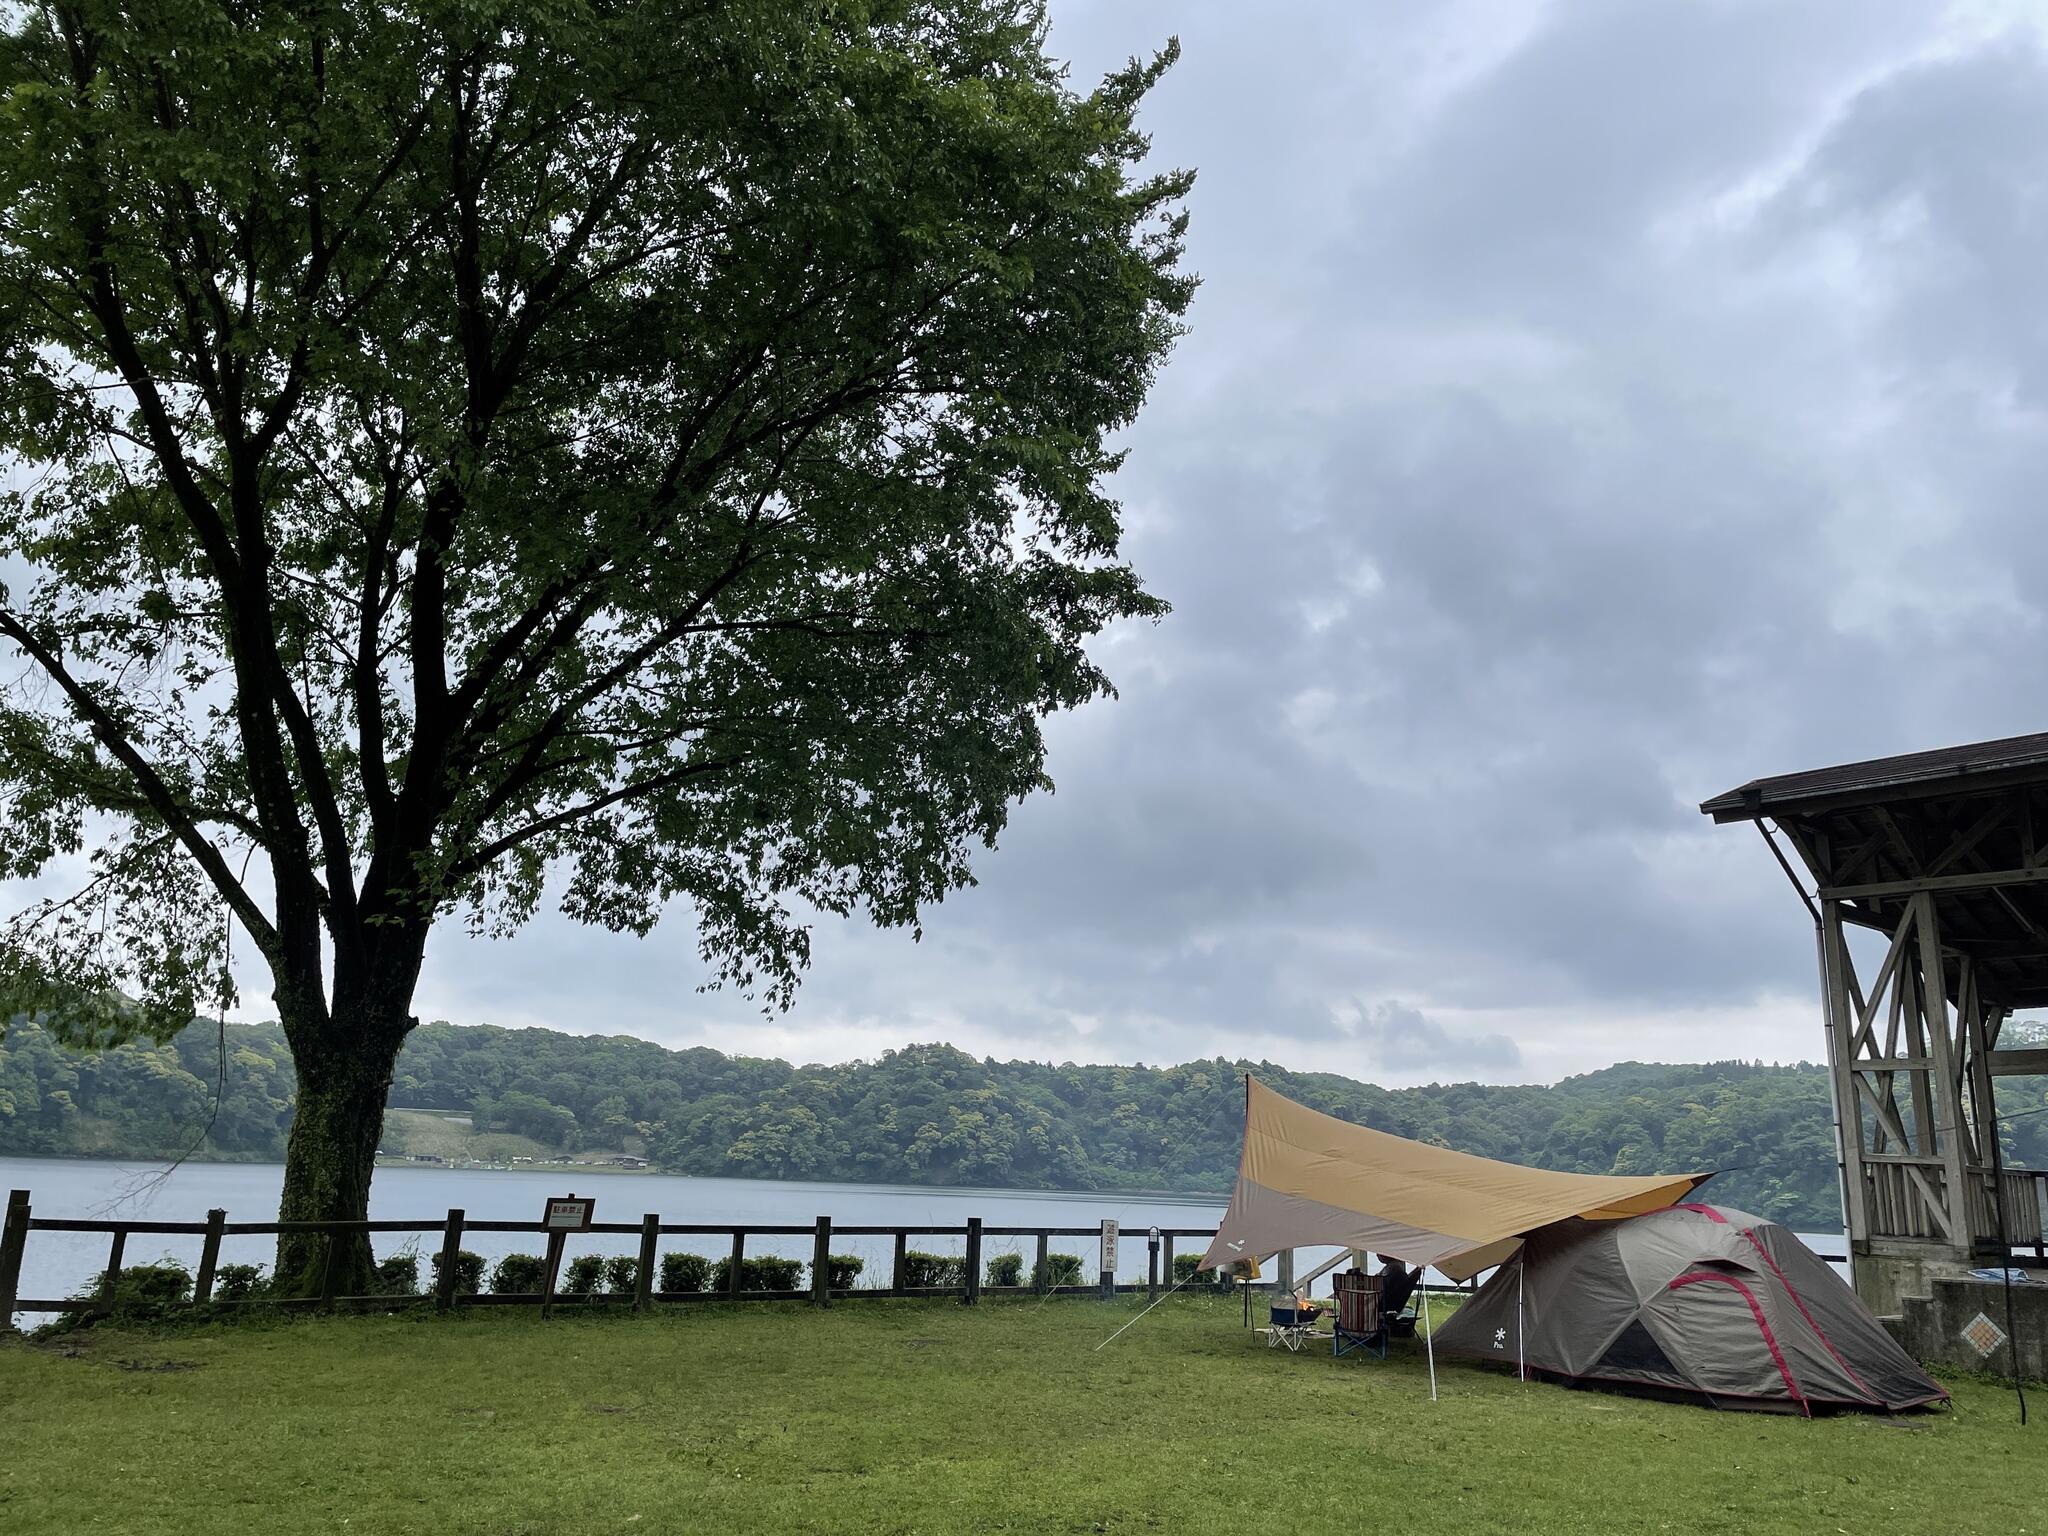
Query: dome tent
[[1696, 1301]]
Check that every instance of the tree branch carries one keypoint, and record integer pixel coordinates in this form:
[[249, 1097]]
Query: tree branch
[[151, 784], [482, 859]]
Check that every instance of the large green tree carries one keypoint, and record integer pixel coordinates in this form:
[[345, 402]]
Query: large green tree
[[628, 450]]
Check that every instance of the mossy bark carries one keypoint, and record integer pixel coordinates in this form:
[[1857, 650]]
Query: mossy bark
[[331, 1155]]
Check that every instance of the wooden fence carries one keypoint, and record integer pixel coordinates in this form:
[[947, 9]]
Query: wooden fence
[[21, 1221]]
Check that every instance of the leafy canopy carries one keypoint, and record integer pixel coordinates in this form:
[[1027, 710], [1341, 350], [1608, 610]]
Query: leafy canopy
[[657, 443]]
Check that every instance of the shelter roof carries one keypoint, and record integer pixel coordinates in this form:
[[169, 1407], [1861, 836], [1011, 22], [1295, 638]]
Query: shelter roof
[[1965, 825], [1881, 778]]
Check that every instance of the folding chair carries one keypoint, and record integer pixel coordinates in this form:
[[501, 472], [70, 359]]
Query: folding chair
[[1398, 1302], [1360, 1323], [1290, 1326]]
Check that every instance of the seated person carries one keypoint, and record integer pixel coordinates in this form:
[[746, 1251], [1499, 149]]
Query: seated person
[[1397, 1284]]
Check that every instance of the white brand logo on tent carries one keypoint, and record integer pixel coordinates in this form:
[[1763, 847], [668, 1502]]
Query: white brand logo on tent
[[1982, 1334], [1500, 1338]]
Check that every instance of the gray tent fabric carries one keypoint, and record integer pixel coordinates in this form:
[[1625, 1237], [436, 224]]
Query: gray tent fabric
[[1694, 1299]]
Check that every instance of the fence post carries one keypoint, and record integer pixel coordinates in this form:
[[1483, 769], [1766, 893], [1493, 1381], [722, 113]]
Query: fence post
[[1041, 1272], [209, 1258], [972, 1294], [739, 1257], [643, 1281], [821, 1264], [451, 1245], [112, 1277], [897, 1282], [13, 1238], [1166, 1269], [1110, 1234], [1152, 1266]]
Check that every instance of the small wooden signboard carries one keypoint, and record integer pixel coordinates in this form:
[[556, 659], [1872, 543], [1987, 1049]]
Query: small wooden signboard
[[569, 1213], [564, 1214]]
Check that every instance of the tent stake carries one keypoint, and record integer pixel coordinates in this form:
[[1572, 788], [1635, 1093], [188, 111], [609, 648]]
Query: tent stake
[[1429, 1339]]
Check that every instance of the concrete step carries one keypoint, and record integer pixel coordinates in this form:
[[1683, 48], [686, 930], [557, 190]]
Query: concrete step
[[1895, 1325]]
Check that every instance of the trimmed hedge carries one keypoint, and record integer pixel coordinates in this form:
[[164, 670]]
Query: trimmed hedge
[[1060, 1269], [143, 1290], [923, 1270], [1006, 1269], [398, 1275], [469, 1272], [684, 1271], [584, 1276], [519, 1274], [762, 1274], [1185, 1273], [843, 1269], [239, 1282], [621, 1274]]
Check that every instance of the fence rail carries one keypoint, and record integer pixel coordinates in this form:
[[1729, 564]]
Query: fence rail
[[21, 1221]]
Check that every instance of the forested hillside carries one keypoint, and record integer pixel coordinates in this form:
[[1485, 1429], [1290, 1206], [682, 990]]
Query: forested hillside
[[929, 1114]]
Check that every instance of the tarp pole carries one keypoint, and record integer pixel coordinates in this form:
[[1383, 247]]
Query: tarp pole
[[1521, 1332], [1429, 1339]]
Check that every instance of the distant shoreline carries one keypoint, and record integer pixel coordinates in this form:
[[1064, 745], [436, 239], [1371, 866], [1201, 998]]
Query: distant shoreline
[[1216, 1197]]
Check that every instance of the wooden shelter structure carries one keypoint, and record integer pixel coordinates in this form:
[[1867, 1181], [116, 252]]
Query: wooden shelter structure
[[1943, 856]]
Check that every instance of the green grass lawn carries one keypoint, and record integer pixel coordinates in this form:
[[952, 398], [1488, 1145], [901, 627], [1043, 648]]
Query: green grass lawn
[[915, 1416]]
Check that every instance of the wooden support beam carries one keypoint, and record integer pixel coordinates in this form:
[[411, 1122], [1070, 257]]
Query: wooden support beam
[[1983, 880], [1948, 1109], [2019, 1061], [1837, 983]]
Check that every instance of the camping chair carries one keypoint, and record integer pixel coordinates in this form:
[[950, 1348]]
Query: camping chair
[[1360, 1323], [1398, 1302], [1290, 1325]]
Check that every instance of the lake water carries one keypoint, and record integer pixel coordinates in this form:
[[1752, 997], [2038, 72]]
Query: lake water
[[61, 1263]]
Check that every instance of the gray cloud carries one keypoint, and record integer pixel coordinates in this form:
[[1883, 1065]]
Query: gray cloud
[[1402, 1042], [1589, 406]]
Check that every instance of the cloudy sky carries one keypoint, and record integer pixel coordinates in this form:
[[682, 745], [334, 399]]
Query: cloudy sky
[[1589, 406]]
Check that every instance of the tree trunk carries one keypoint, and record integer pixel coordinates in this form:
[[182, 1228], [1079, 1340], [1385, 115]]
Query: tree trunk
[[343, 1084]]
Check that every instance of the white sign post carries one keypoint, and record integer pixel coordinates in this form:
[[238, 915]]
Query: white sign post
[[1110, 1233], [562, 1215]]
